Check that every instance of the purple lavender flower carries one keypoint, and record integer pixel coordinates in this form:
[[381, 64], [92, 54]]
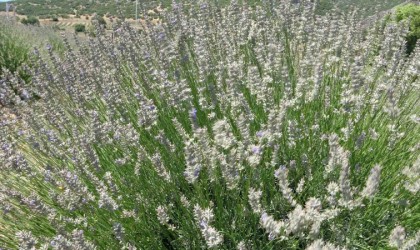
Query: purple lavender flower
[[203, 6], [161, 36], [203, 224], [197, 171], [193, 113], [24, 95], [256, 149], [281, 168]]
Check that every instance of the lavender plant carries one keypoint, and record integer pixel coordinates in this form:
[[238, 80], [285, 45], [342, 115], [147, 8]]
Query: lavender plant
[[16, 43], [248, 128]]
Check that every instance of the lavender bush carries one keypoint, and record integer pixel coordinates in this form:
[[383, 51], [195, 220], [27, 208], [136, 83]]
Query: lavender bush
[[235, 128], [16, 43]]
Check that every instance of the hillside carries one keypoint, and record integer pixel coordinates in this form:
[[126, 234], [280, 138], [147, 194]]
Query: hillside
[[49, 8], [368, 8]]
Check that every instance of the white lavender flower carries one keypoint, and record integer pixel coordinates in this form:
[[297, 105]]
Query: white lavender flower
[[319, 244], [242, 246], [333, 189], [212, 236], [119, 231], [80, 242], [336, 153], [372, 183], [106, 201], [298, 220], [344, 180], [254, 155], [223, 136], [203, 218], [300, 186], [160, 167], [193, 163], [412, 243], [61, 242], [254, 199], [273, 227], [163, 217], [26, 240], [185, 201], [412, 174], [281, 175], [397, 237]]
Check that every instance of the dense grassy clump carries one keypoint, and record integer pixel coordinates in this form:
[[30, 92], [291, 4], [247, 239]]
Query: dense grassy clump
[[247, 128]]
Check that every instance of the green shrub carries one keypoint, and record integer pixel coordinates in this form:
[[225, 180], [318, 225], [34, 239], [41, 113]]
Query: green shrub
[[410, 12], [54, 19], [31, 20], [79, 28]]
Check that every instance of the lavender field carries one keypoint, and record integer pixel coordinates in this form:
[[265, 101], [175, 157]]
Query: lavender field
[[265, 127]]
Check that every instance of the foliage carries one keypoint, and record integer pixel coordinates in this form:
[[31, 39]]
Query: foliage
[[31, 20], [16, 45], [14, 51], [101, 21], [79, 28], [365, 8], [410, 12], [233, 128], [44, 8]]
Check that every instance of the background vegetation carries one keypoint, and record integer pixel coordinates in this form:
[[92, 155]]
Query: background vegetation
[[31, 20], [48, 8], [367, 8], [410, 12]]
